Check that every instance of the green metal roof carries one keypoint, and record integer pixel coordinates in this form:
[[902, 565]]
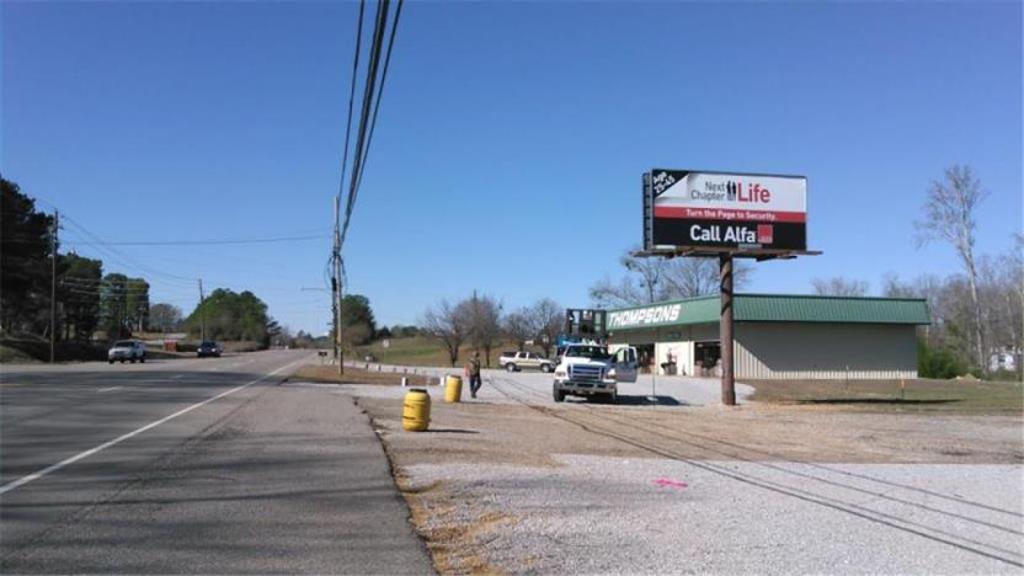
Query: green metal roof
[[773, 308]]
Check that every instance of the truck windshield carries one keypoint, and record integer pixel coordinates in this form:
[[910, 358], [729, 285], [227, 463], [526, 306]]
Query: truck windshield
[[592, 352], [123, 344]]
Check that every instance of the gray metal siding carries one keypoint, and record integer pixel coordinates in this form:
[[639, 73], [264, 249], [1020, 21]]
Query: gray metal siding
[[825, 351]]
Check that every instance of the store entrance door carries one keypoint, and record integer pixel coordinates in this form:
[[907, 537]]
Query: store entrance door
[[645, 357], [706, 356]]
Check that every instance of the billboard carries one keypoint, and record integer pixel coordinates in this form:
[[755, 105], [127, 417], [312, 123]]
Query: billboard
[[692, 209]]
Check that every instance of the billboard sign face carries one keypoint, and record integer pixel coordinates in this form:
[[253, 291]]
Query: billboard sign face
[[690, 209]]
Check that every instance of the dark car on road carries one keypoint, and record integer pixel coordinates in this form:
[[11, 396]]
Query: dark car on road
[[208, 348]]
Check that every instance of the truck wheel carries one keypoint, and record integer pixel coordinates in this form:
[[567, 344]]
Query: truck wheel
[[132, 360], [142, 359], [510, 367], [558, 394], [111, 361], [545, 368]]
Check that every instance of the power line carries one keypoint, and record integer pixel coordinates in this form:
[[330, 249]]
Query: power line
[[380, 93], [267, 240], [351, 96], [364, 136], [369, 89], [115, 254]]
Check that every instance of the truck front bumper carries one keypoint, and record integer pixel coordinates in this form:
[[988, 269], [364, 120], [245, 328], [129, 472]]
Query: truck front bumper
[[585, 388]]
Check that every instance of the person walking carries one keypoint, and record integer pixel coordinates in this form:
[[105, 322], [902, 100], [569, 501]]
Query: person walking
[[473, 373]]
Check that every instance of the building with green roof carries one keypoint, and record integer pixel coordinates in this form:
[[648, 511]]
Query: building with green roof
[[778, 336]]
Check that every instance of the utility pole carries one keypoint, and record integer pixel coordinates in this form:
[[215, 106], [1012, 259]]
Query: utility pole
[[202, 313], [725, 329], [339, 354], [53, 283]]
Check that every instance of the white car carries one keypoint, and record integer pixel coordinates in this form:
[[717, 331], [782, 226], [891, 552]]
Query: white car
[[589, 370], [130, 350], [515, 361]]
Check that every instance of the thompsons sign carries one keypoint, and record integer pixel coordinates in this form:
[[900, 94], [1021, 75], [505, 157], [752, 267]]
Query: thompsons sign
[[684, 208], [650, 316]]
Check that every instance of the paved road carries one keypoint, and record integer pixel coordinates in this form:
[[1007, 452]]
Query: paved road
[[193, 466]]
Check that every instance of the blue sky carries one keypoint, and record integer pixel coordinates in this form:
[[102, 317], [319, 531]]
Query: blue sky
[[511, 140]]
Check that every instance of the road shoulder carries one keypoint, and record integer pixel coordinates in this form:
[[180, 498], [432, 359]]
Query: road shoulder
[[294, 482]]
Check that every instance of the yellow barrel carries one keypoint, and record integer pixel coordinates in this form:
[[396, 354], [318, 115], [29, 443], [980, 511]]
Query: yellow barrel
[[453, 389], [416, 410]]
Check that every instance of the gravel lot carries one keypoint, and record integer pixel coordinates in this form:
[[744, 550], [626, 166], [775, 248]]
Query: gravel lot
[[663, 390], [515, 483]]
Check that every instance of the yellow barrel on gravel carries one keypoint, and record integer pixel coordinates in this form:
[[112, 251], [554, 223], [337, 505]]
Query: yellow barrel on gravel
[[416, 410], [453, 389]]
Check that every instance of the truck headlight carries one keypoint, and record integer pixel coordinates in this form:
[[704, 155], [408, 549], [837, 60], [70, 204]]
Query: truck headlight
[[610, 373]]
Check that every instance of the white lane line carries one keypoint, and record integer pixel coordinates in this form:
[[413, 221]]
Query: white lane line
[[109, 388], [54, 467], [177, 377]]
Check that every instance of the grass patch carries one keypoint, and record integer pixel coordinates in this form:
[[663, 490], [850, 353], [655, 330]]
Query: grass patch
[[34, 350], [10, 355], [329, 374], [921, 395]]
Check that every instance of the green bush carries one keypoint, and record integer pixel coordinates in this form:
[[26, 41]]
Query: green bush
[[941, 363]]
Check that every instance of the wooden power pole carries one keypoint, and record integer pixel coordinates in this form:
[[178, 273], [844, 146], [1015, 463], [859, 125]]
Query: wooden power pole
[[336, 287], [202, 313], [53, 283]]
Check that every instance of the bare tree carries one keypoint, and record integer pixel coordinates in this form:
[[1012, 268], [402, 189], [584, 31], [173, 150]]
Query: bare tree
[[950, 210], [925, 286], [607, 293], [549, 318], [691, 277], [164, 317], [840, 286], [519, 326], [1001, 289], [484, 316], [652, 279], [449, 325], [649, 272]]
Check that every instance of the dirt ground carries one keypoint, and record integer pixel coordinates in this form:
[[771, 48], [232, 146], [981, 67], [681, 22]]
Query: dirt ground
[[531, 432]]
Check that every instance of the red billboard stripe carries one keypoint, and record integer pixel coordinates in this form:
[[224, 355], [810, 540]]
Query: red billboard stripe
[[728, 214]]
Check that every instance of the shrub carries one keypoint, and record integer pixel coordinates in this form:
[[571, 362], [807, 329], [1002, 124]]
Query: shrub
[[940, 363]]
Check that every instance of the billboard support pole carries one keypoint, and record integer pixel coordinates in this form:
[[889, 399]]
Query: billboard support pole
[[725, 329]]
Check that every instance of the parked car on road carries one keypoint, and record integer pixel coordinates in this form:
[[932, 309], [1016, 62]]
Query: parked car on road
[[515, 361], [130, 350], [208, 348]]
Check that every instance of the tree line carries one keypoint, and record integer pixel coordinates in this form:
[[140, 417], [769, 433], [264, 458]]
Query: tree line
[[479, 321], [948, 347], [978, 311], [86, 299]]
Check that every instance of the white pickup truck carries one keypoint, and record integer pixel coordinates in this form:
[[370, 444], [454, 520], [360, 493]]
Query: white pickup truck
[[515, 361], [589, 370]]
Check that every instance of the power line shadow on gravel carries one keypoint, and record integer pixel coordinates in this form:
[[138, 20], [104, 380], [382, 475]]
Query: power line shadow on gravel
[[896, 401]]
